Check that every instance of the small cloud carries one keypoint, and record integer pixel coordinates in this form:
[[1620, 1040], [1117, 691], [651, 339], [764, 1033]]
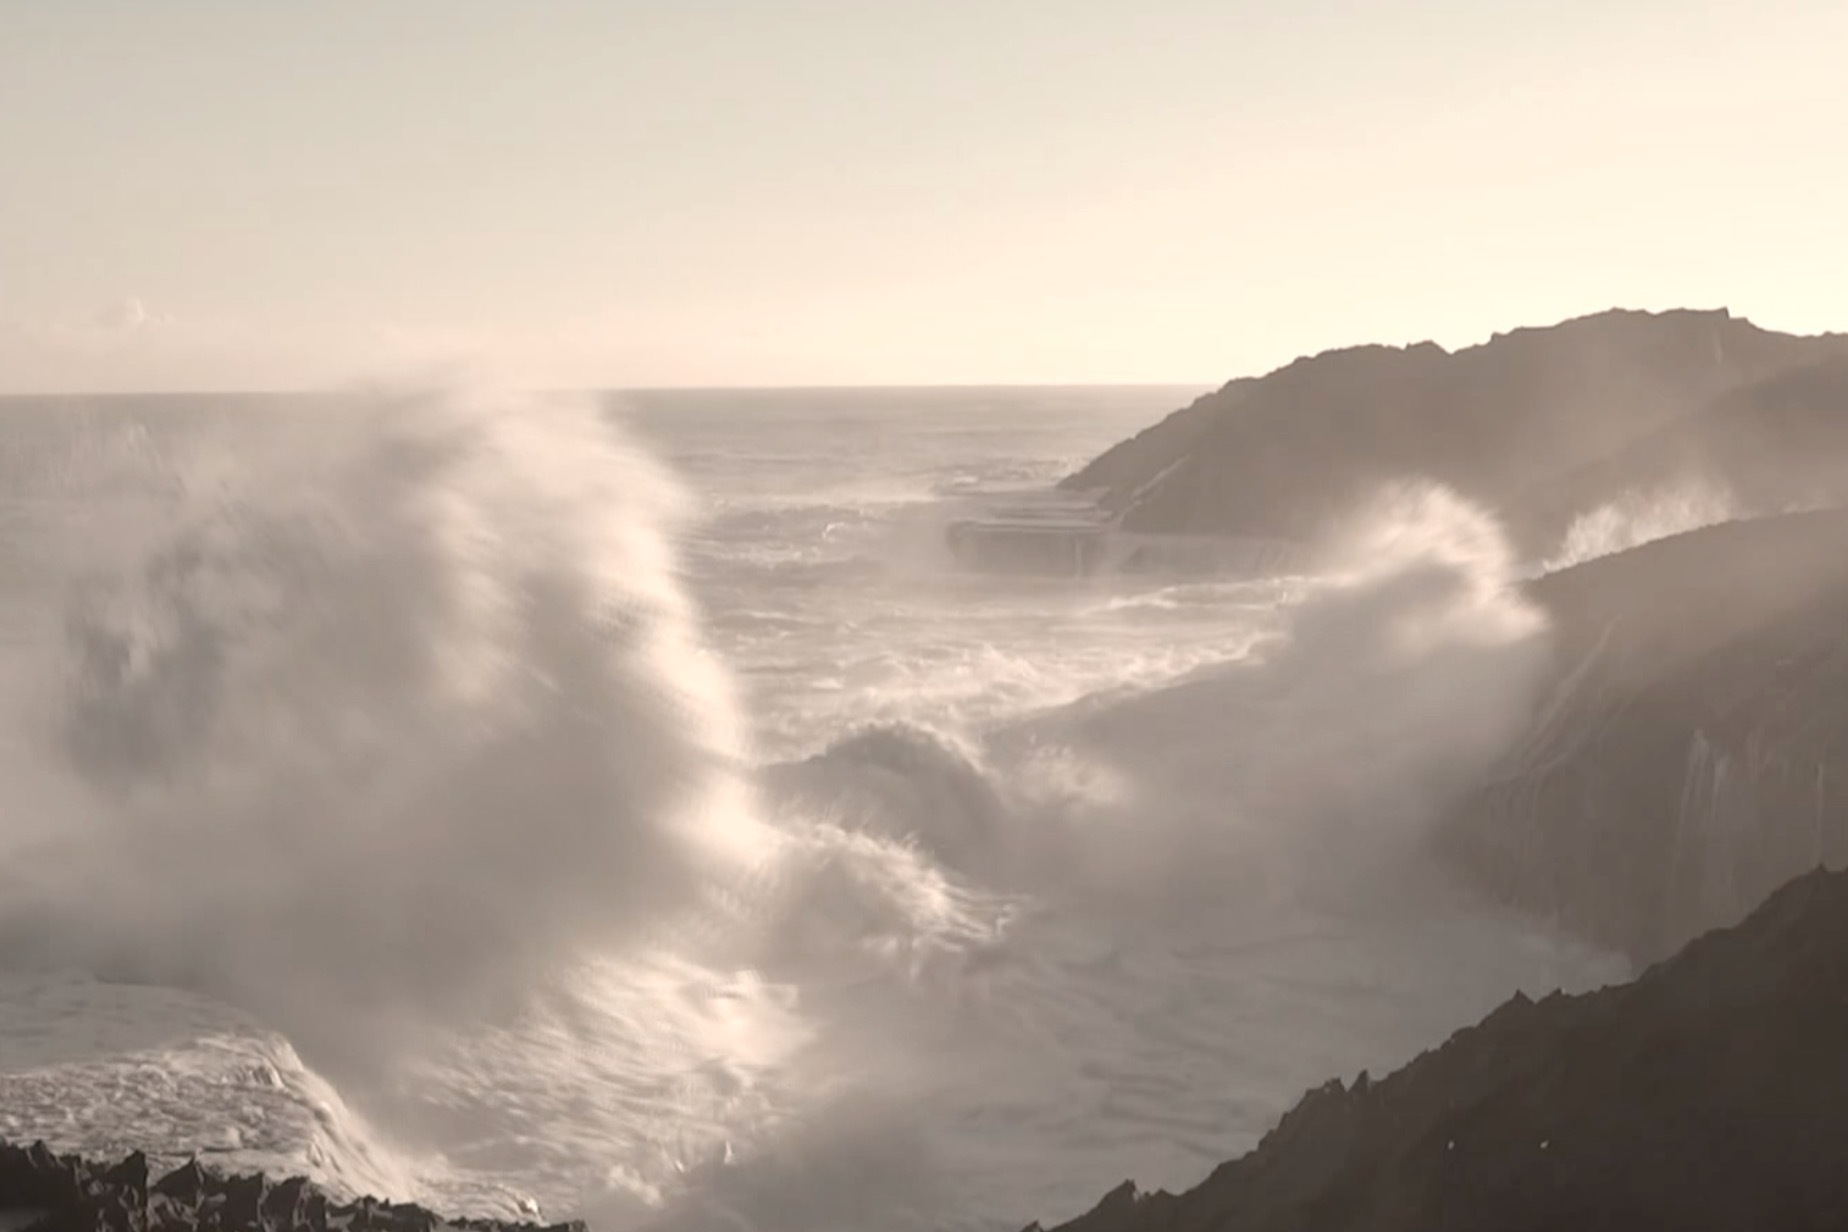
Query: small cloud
[[128, 315]]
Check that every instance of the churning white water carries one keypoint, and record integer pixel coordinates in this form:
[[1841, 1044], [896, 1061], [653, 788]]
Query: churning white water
[[624, 807]]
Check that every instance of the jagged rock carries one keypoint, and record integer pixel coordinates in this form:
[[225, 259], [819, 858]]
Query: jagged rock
[[1711, 1093], [187, 1183], [1520, 424], [1116, 1213], [68, 1194], [1693, 752]]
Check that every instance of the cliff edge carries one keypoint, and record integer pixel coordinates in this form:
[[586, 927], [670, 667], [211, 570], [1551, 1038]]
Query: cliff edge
[[1711, 1093], [1693, 752]]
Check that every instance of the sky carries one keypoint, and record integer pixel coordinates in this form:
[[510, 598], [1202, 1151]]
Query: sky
[[260, 194]]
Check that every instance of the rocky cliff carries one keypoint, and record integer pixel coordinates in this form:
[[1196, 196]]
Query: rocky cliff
[[1712, 1093], [1693, 753], [1502, 423], [44, 1192]]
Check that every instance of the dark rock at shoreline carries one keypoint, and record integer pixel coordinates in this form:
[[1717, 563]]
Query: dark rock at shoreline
[[44, 1192], [1527, 424], [1711, 1093], [1693, 753]]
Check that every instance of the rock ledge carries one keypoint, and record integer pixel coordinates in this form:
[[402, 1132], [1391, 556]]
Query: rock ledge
[[44, 1192]]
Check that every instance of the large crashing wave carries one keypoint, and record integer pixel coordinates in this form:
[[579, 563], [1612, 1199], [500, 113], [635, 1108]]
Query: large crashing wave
[[375, 727], [1404, 666], [401, 720], [1405, 662], [1249, 805], [393, 726]]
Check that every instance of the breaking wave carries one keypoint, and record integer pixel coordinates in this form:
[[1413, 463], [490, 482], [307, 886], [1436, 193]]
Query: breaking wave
[[366, 738], [1401, 669], [1246, 805], [397, 731], [1399, 672]]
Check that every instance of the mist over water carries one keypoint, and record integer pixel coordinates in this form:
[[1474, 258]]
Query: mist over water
[[514, 820]]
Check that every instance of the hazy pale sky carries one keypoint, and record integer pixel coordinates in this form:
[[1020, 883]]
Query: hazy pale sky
[[253, 193]]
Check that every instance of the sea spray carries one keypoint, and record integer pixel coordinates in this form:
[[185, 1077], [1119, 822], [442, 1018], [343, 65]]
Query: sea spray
[[374, 733], [817, 1002], [395, 728], [1401, 668], [1243, 809], [1396, 672], [1640, 517]]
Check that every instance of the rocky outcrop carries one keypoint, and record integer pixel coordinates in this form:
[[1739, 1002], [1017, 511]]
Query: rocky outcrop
[[1504, 423], [1693, 753], [44, 1192], [1712, 1093]]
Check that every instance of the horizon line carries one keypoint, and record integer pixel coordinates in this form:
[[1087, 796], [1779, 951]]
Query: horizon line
[[605, 390]]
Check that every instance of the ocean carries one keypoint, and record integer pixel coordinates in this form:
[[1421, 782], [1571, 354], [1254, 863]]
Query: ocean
[[624, 806]]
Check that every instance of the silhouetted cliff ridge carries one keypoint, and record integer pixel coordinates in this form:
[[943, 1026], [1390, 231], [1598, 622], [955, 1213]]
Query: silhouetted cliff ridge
[[1275, 456], [1712, 1093]]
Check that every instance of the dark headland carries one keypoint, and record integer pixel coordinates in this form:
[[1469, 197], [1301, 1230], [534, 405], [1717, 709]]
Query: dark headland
[[1541, 424], [1712, 1093]]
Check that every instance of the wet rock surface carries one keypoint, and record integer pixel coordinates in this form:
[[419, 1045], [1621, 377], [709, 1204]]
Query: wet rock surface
[[44, 1192], [1711, 1093]]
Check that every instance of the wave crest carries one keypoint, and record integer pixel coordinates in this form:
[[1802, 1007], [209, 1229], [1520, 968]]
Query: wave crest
[[372, 733]]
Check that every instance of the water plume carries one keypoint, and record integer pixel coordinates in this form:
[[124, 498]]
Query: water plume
[[377, 728], [1403, 668]]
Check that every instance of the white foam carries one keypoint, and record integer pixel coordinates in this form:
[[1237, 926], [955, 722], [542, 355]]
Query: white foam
[[944, 980]]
